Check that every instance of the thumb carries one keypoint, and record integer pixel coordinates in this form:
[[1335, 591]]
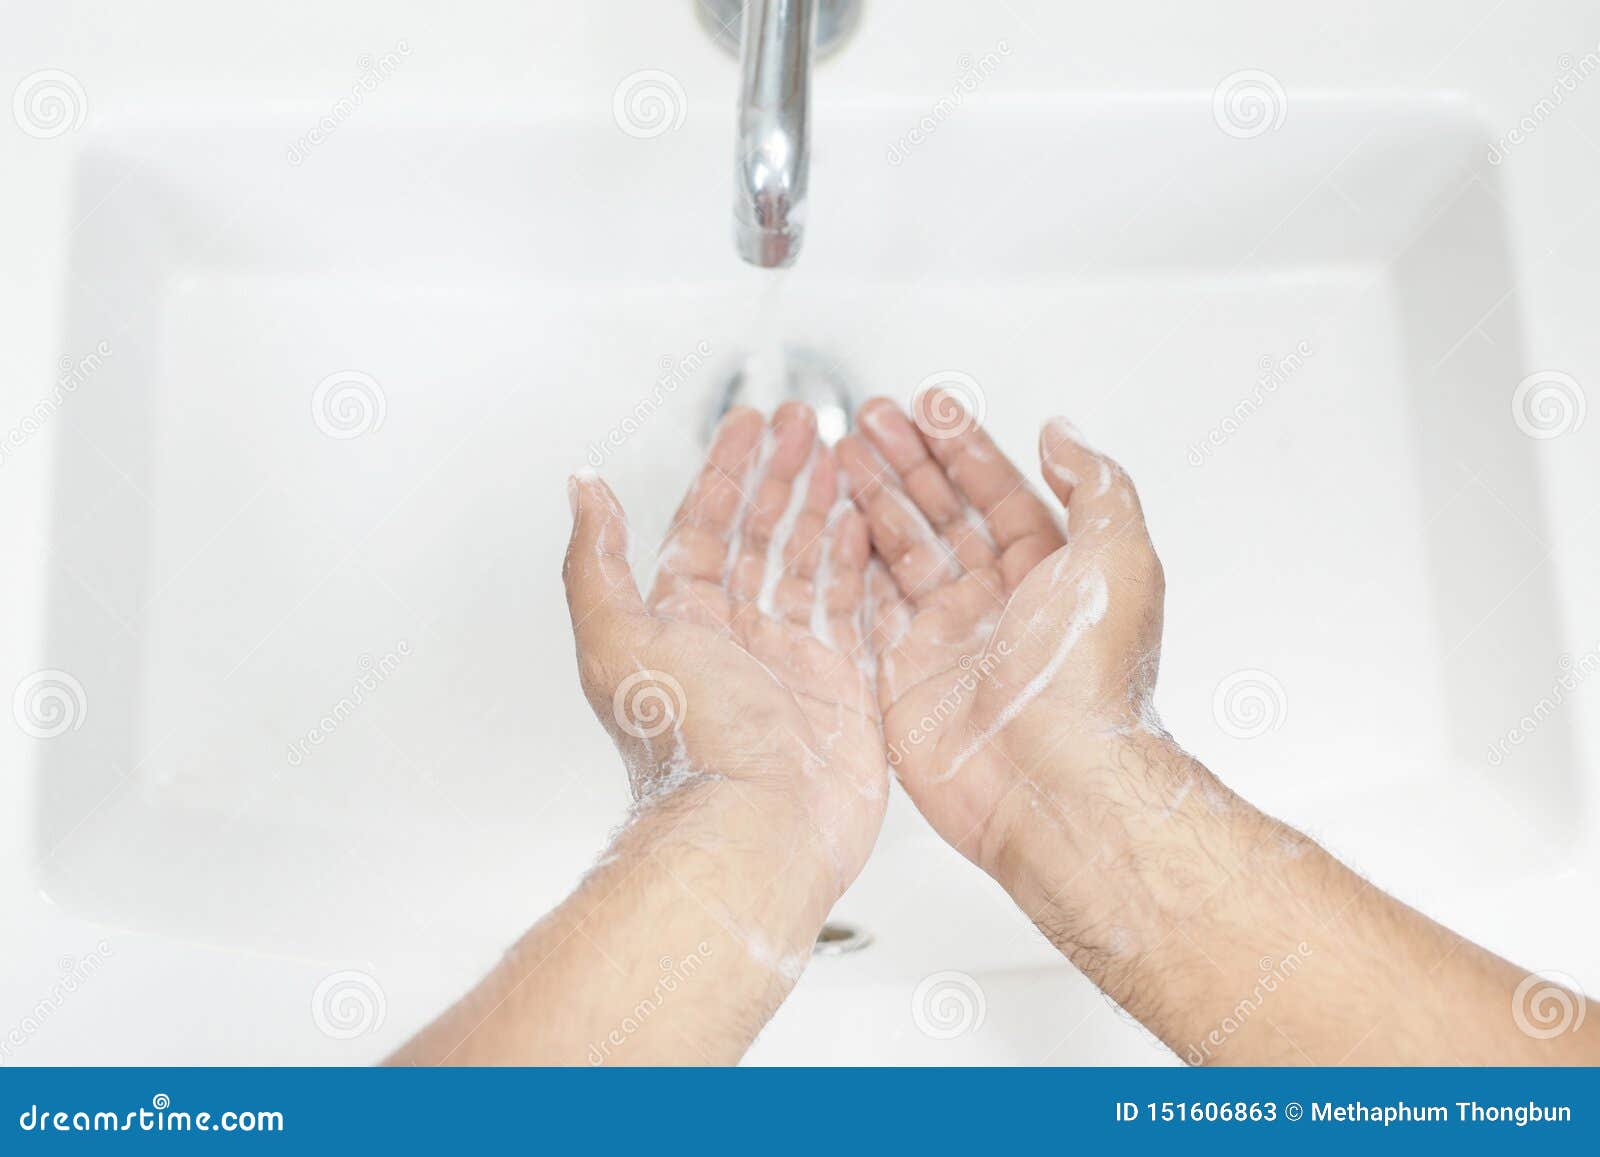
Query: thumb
[[600, 583], [1095, 490]]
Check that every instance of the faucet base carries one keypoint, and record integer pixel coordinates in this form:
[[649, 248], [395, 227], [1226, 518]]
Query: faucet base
[[836, 20], [806, 375]]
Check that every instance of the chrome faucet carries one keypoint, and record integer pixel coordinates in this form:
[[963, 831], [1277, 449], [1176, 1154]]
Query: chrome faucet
[[772, 156]]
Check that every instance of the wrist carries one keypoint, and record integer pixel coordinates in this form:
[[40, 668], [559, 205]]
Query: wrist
[[1118, 841], [747, 853]]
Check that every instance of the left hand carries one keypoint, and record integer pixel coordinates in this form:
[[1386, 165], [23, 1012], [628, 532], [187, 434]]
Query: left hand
[[1021, 664]]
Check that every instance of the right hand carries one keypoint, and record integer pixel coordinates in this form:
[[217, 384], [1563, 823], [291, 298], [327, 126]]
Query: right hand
[[738, 669]]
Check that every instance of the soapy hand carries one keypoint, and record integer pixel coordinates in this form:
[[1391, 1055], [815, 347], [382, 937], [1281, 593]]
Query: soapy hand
[[1016, 650], [738, 672], [1025, 641]]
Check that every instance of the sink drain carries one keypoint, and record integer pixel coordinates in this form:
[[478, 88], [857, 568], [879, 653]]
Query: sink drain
[[838, 939]]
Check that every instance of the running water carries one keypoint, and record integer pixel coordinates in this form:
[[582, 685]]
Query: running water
[[765, 368]]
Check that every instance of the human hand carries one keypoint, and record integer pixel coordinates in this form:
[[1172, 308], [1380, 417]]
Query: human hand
[[1016, 689], [1022, 661], [737, 677], [755, 755]]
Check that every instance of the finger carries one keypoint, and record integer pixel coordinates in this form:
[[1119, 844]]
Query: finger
[[696, 545], [1024, 529], [926, 484], [600, 585], [919, 560], [802, 552], [797, 545], [885, 613], [1098, 494], [775, 496], [838, 580]]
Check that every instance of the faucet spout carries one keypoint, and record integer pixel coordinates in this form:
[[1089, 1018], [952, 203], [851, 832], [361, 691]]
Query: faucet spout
[[773, 154]]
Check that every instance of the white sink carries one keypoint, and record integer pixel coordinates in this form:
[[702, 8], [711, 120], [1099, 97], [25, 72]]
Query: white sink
[[500, 296]]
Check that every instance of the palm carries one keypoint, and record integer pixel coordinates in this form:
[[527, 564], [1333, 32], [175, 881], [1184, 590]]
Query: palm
[[990, 603], [770, 693], [741, 659]]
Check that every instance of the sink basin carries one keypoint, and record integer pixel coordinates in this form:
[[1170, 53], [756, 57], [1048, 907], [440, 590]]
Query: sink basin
[[308, 523]]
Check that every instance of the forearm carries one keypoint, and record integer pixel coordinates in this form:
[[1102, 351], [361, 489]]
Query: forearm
[[1238, 940], [676, 949]]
